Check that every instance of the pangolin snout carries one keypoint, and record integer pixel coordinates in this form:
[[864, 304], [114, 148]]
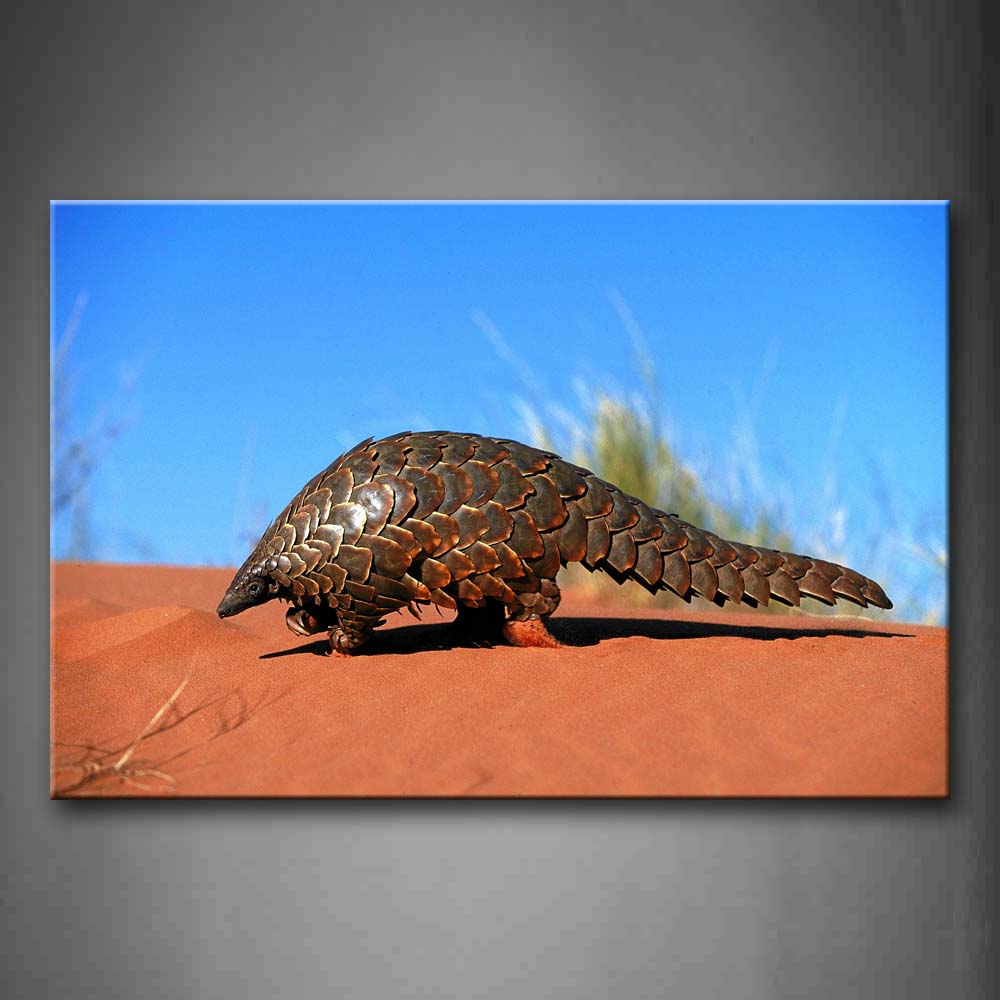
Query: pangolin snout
[[227, 608]]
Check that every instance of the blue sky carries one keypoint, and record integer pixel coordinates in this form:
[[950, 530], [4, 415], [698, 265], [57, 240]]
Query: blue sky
[[800, 351]]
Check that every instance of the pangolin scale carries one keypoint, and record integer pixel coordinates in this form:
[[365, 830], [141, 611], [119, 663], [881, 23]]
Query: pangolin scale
[[483, 524]]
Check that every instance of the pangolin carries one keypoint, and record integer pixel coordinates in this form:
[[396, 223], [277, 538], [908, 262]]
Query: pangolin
[[483, 525]]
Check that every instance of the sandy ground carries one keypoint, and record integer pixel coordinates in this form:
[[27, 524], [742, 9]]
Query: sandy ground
[[638, 703]]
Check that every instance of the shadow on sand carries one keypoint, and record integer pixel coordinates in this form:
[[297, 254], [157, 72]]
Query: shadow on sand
[[585, 632]]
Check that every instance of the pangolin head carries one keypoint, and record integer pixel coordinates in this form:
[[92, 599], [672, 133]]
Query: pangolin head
[[251, 586]]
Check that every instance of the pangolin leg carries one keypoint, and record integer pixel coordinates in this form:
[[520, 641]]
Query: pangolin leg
[[526, 624], [352, 633], [530, 632]]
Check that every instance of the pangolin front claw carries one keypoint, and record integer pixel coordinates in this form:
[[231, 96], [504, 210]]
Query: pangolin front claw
[[301, 622]]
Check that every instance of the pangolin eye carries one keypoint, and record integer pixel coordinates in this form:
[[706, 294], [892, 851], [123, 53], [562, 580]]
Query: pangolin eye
[[256, 588]]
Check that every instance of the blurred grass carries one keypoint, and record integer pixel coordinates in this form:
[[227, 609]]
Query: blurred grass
[[80, 444], [618, 439], [621, 437]]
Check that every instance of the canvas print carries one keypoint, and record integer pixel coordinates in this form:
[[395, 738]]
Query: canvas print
[[614, 499]]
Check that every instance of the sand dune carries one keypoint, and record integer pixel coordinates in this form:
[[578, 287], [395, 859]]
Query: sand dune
[[637, 703]]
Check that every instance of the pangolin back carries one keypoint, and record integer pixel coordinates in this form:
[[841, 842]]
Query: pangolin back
[[471, 522]]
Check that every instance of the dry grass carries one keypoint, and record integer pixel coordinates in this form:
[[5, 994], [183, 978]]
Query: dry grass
[[123, 768], [122, 764]]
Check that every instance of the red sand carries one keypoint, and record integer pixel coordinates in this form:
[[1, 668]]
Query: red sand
[[645, 702]]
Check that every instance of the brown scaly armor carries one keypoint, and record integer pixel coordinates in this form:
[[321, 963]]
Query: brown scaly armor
[[480, 524]]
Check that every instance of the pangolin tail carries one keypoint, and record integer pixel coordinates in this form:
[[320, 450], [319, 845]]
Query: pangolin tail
[[621, 535]]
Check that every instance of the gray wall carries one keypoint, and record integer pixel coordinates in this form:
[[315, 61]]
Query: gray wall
[[690, 899]]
